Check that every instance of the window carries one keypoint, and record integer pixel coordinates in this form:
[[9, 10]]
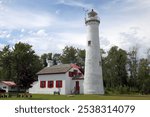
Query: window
[[89, 43], [50, 84], [70, 74], [100, 63], [4, 87], [43, 84], [75, 72], [59, 84], [12, 87]]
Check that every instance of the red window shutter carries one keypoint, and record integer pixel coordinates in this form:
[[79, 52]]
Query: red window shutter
[[79, 74], [59, 84], [50, 84], [73, 74], [56, 84], [42, 84]]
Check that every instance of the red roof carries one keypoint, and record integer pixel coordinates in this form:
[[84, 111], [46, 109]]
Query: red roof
[[9, 83], [74, 66]]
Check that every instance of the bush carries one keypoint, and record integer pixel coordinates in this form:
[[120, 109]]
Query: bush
[[123, 90]]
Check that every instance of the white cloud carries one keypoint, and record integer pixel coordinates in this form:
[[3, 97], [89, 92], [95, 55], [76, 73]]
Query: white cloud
[[126, 24], [104, 41], [57, 12], [1, 46], [114, 28], [44, 42], [126, 6], [41, 41], [5, 34], [127, 35], [135, 37], [22, 30], [77, 3], [3, 4], [72, 38], [140, 3], [41, 33], [13, 19], [67, 25]]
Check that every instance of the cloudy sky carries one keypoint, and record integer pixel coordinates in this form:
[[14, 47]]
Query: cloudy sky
[[50, 25]]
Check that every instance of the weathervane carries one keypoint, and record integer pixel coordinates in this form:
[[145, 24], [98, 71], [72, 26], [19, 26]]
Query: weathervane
[[85, 12]]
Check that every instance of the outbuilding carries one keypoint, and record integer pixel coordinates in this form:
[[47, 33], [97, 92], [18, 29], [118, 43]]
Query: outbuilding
[[8, 86]]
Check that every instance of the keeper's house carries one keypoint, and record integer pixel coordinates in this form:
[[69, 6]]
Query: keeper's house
[[63, 78]]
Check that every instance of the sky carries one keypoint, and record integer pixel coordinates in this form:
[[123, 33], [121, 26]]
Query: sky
[[50, 25]]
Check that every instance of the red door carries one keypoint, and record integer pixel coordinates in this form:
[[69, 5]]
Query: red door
[[77, 87]]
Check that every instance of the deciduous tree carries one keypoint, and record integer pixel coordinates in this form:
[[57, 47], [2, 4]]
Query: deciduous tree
[[25, 65]]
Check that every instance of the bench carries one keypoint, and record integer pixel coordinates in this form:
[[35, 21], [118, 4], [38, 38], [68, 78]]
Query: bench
[[9, 95], [56, 92], [24, 95], [4, 95]]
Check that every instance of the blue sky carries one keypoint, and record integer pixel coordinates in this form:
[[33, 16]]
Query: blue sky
[[50, 25]]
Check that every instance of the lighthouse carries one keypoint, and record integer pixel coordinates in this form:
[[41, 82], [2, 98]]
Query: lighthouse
[[93, 81]]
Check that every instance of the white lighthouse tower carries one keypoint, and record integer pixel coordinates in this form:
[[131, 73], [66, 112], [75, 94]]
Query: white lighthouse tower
[[93, 81]]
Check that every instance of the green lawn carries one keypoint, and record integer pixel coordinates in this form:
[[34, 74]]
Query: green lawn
[[81, 97]]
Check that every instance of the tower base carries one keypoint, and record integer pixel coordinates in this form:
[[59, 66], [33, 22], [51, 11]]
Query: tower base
[[94, 87]]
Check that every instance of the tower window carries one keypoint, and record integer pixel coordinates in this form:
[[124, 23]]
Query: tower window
[[100, 63], [89, 43]]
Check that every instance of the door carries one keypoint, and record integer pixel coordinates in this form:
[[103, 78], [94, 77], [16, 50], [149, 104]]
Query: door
[[77, 87]]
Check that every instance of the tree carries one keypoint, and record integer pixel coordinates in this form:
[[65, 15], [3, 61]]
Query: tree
[[73, 55], [69, 55], [49, 56], [0, 65], [121, 62], [148, 55], [6, 63], [25, 65], [144, 76], [56, 58], [80, 57], [114, 68], [133, 68], [43, 59]]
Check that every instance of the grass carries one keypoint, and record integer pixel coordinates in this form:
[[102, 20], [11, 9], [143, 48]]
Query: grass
[[81, 97]]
